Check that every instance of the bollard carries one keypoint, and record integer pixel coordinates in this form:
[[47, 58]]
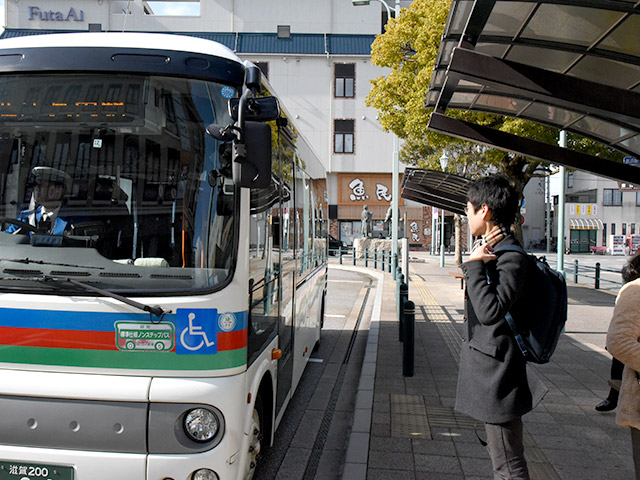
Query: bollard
[[399, 282], [340, 254], [375, 259], [354, 254], [403, 297], [366, 257], [390, 262], [395, 265], [597, 285], [408, 344], [575, 271]]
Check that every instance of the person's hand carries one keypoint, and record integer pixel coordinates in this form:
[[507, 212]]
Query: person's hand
[[483, 252]]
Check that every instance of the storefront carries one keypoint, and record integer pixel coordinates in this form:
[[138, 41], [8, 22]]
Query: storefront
[[373, 190]]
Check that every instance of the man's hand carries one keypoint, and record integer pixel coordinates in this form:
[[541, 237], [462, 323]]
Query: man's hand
[[483, 252]]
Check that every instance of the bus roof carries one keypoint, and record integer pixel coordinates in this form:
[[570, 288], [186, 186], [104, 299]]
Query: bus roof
[[152, 41]]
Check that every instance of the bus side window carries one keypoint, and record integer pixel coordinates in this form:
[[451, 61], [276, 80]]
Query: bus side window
[[263, 271]]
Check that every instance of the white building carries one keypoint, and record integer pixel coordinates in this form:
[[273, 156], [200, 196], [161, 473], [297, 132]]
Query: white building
[[598, 212]]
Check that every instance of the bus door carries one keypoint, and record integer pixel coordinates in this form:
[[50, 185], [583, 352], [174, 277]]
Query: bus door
[[287, 238]]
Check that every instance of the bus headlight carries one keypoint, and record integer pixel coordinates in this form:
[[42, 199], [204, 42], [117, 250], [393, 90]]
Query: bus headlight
[[204, 474], [201, 425]]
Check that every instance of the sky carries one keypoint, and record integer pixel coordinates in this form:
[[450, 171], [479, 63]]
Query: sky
[[174, 8]]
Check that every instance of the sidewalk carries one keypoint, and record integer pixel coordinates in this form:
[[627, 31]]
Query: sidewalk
[[413, 432]]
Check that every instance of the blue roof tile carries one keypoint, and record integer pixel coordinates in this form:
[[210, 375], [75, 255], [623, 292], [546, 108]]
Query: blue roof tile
[[299, 43]]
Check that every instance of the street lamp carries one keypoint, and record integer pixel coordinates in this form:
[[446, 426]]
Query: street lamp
[[444, 160], [395, 174]]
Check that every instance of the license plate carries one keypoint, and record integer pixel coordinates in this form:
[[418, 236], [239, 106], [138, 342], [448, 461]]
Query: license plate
[[34, 471]]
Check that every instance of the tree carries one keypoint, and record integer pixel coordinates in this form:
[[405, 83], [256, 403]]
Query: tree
[[409, 48]]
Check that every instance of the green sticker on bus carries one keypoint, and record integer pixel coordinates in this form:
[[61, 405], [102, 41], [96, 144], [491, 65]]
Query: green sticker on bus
[[144, 336]]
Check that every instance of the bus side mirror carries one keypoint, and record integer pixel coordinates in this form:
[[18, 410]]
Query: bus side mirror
[[261, 109], [253, 169]]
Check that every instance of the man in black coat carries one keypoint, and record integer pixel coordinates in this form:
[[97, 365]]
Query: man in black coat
[[494, 384]]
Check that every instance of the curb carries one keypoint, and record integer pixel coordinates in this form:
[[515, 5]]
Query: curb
[[355, 464]]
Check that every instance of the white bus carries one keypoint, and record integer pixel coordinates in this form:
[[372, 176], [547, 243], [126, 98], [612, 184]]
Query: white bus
[[162, 259]]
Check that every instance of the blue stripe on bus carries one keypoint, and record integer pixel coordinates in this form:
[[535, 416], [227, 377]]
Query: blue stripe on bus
[[88, 321]]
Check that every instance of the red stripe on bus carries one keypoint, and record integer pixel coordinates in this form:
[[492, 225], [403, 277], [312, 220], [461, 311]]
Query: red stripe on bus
[[232, 340], [41, 337]]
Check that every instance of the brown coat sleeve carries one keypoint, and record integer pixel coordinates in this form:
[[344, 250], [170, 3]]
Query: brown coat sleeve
[[622, 343], [624, 330]]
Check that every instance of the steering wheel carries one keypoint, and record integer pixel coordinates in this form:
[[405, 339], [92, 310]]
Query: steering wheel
[[19, 223]]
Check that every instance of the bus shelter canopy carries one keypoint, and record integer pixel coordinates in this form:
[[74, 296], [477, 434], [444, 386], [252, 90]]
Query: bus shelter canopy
[[435, 188], [570, 64]]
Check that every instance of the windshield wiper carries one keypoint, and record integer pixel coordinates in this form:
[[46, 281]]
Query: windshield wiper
[[153, 310], [28, 261]]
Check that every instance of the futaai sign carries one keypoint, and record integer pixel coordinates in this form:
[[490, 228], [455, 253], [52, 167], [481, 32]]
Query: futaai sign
[[51, 16]]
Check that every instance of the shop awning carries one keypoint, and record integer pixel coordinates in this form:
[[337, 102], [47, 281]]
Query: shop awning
[[435, 188], [573, 65], [585, 224]]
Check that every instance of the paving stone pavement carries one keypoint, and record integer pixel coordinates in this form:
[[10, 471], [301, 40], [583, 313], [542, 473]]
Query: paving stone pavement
[[412, 431]]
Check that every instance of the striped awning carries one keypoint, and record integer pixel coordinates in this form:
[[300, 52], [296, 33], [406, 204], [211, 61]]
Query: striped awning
[[585, 224]]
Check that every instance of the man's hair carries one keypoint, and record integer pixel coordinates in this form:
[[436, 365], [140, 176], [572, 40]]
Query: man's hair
[[499, 195], [631, 269]]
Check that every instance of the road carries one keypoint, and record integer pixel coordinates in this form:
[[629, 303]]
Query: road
[[311, 440]]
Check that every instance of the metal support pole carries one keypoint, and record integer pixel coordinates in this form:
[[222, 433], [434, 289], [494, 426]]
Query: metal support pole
[[395, 194], [375, 259], [575, 271], [434, 220], [340, 254], [442, 240], [354, 254], [366, 257], [597, 285], [382, 261], [408, 343], [561, 206], [404, 296], [389, 264]]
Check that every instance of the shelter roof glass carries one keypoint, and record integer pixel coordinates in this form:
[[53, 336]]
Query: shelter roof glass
[[594, 45]]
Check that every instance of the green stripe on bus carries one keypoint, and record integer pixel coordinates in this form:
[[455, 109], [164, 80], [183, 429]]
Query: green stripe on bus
[[119, 359]]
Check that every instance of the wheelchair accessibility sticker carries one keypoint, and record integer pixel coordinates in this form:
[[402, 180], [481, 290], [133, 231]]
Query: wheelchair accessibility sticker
[[197, 331]]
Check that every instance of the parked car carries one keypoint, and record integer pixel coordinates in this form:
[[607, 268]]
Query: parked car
[[335, 245]]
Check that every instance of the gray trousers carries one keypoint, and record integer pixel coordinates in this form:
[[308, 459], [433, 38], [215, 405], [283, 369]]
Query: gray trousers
[[505, 444], [635, 445]]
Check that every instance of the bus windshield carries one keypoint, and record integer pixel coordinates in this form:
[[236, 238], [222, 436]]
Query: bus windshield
[[112, 180]]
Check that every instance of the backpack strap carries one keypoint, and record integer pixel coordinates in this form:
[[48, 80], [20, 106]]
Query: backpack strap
[[516, 334]]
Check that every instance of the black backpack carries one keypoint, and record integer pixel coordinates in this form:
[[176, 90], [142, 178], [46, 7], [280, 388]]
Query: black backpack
[[542, 319]]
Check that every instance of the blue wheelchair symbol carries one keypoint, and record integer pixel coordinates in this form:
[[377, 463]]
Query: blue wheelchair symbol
[[197, 331]]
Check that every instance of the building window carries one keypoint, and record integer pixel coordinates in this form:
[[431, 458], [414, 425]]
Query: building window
[[344, 80], [637, 199], [632, 226], [604, 234], [343, 136], [284, 32], [611, 197], [624, 229], [613, 229], [264, 68], [570, 180]]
